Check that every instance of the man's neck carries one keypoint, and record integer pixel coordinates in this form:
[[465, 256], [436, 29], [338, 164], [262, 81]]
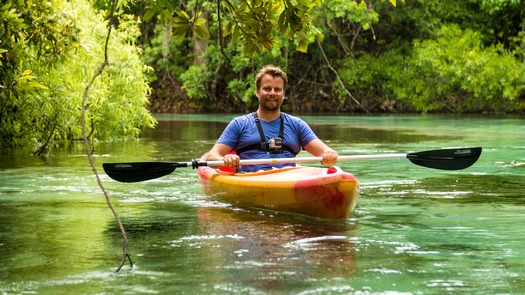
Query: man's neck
[[268, 116]]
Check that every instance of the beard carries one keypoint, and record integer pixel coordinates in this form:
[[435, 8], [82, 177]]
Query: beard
[[271, 106]]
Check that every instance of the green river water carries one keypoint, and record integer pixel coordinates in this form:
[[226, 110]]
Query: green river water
[[415, 230]]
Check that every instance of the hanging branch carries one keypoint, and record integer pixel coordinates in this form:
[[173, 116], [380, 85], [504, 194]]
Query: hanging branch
[[221, 37], [337, 76], [125, 253]]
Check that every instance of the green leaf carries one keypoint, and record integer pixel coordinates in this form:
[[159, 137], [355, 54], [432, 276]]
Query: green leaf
[[282, 19], [179, 33], [236, 33], [165, 16], [38, 85], [200, 21], [303, 42], [228, 28], [181, 20], [183, 15], [6, 6], [148, 15], [202, 32], [317, 33], [259, 9]]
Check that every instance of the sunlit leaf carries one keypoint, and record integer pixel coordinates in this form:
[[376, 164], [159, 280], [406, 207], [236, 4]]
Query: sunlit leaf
[[202, 32], [200, 21], [303, 42], [38, 85], [317, 33], [182, 14], [148, 15]]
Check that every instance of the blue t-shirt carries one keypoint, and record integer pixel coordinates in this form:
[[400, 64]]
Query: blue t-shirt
[[242, 132]]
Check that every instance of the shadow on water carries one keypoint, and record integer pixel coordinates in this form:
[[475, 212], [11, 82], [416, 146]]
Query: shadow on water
[[197, 130]]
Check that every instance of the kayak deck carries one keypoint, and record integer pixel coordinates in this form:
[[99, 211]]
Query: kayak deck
[[320, 192]]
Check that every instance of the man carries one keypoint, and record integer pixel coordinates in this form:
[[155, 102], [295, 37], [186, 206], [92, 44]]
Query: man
[[268, 132]]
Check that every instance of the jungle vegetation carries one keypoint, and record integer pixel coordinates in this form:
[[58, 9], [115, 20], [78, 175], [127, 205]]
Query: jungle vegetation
[[341, 56]]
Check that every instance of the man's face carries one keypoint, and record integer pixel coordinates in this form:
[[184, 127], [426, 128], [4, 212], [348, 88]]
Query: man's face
[[271, 93]]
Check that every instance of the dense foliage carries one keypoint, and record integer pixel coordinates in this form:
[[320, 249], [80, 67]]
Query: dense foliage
[[201, 56], [357, 56], [50, 50]]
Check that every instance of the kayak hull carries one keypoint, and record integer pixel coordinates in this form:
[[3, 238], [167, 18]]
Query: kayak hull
[[319, 192]]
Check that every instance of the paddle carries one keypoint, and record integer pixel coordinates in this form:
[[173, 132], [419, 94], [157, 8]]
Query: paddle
[[444, 159]]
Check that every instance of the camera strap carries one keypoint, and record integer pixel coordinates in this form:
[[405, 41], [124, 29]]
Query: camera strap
[[261, 132], [263, 145]]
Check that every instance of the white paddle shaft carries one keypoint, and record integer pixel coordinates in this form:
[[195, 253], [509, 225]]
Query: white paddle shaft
[[307, 159]]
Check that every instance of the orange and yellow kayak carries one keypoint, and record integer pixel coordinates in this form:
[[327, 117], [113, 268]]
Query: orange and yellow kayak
[[320, 192]]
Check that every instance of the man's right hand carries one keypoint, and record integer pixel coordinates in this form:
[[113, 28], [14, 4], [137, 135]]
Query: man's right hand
[[232, 161]]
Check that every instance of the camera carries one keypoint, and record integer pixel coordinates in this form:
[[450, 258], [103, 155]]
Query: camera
[[275, 146]]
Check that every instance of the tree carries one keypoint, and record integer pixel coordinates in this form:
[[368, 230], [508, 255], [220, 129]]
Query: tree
[[246, 34], [50, 50], [457, 73]]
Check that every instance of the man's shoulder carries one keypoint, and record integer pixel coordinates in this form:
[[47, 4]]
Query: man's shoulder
[[243, 118], [292, 118]]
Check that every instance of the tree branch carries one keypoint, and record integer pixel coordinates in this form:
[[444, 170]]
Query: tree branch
[[338, 78], [221, 37], [86, 141]]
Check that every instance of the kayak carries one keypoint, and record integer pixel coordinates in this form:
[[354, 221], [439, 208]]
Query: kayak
[[320, 192]]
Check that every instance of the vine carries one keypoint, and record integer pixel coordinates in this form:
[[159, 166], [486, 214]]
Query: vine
[[89, 152]]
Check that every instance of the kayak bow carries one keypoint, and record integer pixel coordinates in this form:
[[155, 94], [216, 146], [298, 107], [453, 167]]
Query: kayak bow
[[319, 192]]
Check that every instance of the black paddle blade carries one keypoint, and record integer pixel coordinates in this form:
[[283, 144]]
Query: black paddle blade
[[138, 171], [446, 159]]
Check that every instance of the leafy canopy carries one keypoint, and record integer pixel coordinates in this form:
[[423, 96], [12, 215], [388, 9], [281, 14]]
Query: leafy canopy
[[257, 23], [50, 50]]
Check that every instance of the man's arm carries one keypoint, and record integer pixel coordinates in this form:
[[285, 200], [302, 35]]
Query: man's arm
[[318, 148], [220, 152]]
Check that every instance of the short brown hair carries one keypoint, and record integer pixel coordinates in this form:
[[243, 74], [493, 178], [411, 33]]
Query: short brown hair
[[272, 71]]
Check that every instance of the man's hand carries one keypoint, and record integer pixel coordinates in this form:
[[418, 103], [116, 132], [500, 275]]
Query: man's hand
[[231, 161], [329, 157]]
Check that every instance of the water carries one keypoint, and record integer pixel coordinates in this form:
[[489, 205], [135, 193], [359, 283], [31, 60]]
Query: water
[[414, 231]]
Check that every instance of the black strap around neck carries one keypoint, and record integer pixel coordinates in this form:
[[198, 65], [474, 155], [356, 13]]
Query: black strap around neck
[[262, 145], [261, 132]]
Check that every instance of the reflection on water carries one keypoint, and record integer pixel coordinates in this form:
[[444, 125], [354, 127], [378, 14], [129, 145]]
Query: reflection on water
[[414, 231], [269, 251]]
